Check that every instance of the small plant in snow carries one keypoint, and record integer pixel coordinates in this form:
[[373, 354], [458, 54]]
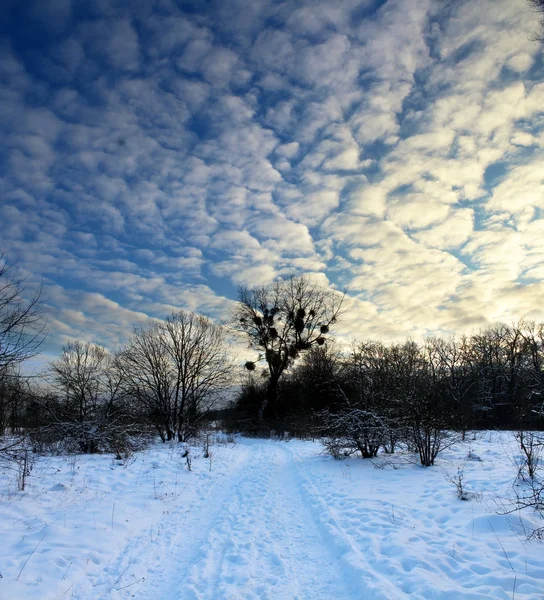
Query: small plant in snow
[[187, 456], [531, 445], [472, 456], [25, 465], [17, 457], [206, 446], [458, 480]]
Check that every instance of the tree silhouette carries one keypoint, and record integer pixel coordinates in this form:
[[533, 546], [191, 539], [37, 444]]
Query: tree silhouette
[[283, 320]]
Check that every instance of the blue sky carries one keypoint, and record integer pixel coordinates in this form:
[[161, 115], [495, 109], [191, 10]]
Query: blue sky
[[157, 155]]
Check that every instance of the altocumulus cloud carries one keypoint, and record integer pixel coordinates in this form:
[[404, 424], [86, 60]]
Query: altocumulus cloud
[[158, 154]]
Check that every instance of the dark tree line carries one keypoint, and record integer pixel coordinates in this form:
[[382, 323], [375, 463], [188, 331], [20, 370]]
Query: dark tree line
[[381, 393]]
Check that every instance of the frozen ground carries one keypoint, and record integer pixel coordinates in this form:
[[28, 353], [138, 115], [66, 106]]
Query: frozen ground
[[270, 520]]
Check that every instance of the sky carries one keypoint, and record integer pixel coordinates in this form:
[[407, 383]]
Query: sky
[[156, 155]]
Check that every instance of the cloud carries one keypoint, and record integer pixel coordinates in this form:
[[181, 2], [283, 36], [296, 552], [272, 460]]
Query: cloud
[[452, 232], [156, 157], [113, 42]]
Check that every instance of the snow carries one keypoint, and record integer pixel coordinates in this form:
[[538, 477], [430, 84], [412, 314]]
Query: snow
[[268, 519]]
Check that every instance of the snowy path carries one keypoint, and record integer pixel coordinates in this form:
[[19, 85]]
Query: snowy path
[[260, 541], [267, 520]]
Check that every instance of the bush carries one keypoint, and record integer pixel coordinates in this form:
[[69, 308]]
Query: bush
[[89, 438], [530, 445], [428, 441], [353, 430]]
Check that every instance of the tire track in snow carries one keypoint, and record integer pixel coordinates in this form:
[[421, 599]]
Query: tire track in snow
[[262, 544], [372, 584]]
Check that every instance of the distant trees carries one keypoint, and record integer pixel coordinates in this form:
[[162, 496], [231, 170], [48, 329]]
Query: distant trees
[[449, 359], [319, 375], [87, 379], [378, 395], [87, 409], [391, 394], [173, 369], [382, 375], [15, 400], [360, 419], [423, 394], [22, 331], [283, 320], [539, 9], [372, 396], [533, 336], [167, 377]]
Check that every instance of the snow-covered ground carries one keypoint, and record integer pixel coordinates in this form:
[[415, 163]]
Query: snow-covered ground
[[268, 520]]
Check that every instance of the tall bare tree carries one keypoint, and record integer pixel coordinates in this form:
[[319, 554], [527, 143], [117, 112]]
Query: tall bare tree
[[283, 320], [22, 328], [533, 334], [174, 370], [448, 358], [86, 376]]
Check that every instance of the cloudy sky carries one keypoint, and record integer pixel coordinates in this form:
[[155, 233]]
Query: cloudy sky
[[158, 154]]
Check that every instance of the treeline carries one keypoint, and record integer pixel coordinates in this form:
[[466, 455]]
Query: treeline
[[165, 380], [492, 379], [172, 376]]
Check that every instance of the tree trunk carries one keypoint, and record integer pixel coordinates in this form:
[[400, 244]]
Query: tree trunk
[[270, 397]]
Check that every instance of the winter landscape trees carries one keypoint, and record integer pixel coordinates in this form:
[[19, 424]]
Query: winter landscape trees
[[21, 327], [369, 396], [174, 369], [396, 403], [22, 331], [282, 321]]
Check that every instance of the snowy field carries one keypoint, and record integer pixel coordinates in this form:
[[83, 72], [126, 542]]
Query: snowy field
[[268, 520]]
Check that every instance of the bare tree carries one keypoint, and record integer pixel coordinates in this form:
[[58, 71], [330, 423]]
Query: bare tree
[[421, 393], [87, 408], [147, 376], [81, 376], [174, 369], [283, 320], [22, 329], [197, 349], [539, 9], [533, 334], [448, 359]]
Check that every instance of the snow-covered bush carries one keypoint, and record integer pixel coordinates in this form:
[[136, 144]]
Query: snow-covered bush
[[89, 437], [352, 430], [15, 455]]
